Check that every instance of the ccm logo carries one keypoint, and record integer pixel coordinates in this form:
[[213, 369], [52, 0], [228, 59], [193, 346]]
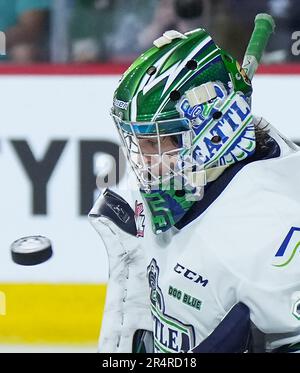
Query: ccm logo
[[190, 275]]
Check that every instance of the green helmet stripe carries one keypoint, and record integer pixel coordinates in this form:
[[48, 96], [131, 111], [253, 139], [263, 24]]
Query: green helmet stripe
[[188, 45], [171, 73], [151, 82], [182, 81], [183, 64]]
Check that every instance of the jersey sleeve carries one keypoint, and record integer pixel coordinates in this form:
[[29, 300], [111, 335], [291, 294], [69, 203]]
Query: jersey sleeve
[[276, 312]]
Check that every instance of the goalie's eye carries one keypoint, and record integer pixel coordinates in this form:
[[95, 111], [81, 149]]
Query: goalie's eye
[[152, 145]]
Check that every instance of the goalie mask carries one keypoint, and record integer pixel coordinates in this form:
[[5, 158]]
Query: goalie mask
[[183, 113]]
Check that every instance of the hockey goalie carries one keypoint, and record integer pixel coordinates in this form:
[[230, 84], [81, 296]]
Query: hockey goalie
[[205, 250]]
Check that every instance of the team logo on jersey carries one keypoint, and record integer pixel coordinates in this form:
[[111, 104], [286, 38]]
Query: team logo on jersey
[[288, 249], [170, 334], [139, 219]]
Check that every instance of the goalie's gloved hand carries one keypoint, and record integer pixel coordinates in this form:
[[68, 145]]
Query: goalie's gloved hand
[[127, 300]]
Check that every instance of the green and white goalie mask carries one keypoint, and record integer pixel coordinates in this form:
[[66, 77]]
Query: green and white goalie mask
[[183, 113]]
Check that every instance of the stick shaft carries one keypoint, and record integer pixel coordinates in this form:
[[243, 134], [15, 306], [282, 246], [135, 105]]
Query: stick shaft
[[264, 27]]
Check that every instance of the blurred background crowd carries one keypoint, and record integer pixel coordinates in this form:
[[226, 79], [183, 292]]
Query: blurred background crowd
[[116, 31]]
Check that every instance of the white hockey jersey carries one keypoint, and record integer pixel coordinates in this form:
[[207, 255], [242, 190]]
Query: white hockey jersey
[[239, 244]]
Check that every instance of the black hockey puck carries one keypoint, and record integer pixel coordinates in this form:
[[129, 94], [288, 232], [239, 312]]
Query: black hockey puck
[[31, 250]]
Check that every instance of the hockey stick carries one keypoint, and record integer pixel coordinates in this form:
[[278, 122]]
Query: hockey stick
[[264, 27]]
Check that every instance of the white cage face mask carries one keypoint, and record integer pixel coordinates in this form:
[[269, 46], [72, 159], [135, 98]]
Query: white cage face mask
[[155, 149]]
